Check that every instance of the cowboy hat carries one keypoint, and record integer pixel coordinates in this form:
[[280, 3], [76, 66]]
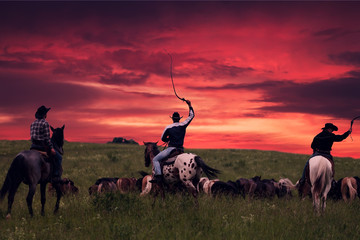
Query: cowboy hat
[[331, 126], [176, 116], [41, 111]]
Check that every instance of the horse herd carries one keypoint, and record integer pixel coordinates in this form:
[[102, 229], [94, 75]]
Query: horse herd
[[347, 188], [182, 173]]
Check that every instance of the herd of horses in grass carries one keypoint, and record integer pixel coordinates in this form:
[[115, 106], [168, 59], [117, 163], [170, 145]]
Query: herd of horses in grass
[[182, 173]]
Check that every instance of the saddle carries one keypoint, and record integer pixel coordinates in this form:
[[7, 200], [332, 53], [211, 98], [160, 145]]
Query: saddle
[[172, 157], [44, 154]]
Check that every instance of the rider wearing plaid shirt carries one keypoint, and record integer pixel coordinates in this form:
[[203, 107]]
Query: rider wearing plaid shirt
[[40, 138], [40, 134]]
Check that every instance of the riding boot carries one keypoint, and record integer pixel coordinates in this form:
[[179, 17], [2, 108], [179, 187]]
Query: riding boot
[[157, 179]]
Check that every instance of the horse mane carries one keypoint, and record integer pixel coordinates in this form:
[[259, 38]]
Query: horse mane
[[57, 138], [151, 147]]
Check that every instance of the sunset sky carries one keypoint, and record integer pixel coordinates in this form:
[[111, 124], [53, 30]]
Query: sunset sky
[[260, 75]]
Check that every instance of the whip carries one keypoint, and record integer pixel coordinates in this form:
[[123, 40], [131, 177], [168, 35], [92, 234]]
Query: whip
[[351, 124], [171, 76]]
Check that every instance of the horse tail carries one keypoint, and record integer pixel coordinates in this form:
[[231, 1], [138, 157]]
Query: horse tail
[[321, 175], [12, 172], [287, 183], [352, 190], [209, 171]]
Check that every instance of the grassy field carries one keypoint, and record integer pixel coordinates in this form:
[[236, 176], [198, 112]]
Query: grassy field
[[116, 216]]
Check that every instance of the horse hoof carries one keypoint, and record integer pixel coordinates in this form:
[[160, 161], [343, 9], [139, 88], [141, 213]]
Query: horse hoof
[[8, 216]]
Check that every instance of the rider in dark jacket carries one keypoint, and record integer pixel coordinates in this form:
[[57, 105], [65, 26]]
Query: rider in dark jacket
[[174, 135], [322, 144]]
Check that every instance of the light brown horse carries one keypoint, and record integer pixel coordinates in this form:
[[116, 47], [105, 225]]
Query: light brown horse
[[348, 189]]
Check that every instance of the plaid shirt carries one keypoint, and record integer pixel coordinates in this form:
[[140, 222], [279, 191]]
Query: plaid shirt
[[39, 132]]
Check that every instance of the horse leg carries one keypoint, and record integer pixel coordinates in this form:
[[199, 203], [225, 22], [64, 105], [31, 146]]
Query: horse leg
[[11, 197], [58, 197], [29, 198], [317, 201], [159, 188], [192, 190], [325, 193], [323, 204], [43, 197]]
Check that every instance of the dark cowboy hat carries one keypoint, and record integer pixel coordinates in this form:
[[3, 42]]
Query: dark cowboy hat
[[176, 116], [331, 126], [41, 111]]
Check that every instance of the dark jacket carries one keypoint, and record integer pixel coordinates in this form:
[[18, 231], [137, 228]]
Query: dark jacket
[[175, 133], [323, 141]]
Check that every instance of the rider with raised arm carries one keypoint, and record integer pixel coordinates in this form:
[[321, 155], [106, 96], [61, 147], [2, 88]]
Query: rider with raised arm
[[174, 135], [40, 138], [322, 144]]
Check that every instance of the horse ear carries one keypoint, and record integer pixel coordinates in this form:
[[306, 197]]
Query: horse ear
[[52, 129], [63, 127]]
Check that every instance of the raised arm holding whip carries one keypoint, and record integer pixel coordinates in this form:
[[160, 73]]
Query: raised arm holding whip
[[174, 134], [322, 145]]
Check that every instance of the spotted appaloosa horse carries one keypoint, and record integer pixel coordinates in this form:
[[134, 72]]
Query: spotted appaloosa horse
[[321, 177], [187, 168]]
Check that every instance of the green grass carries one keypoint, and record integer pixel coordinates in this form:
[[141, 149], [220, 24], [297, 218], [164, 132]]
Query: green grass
[[116, 216]]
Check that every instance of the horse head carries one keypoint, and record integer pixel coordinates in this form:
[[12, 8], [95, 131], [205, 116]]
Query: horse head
[[151, 150], [57, 138]]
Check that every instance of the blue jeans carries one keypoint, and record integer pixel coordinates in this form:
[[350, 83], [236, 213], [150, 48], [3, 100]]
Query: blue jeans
[[57, 164], [159, 158]]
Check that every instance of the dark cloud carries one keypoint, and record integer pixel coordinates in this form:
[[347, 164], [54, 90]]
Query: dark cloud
[[142, 111], [107, 37], [22, 92], [346, 58], [29, 55], [150, 63], [334, 33], [333, 97], [231, 71], [245, 86], [81, 67], [22, 65], [124, 79]]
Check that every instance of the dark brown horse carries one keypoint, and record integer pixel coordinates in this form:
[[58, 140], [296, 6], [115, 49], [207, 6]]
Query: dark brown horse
[[32, 168]]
